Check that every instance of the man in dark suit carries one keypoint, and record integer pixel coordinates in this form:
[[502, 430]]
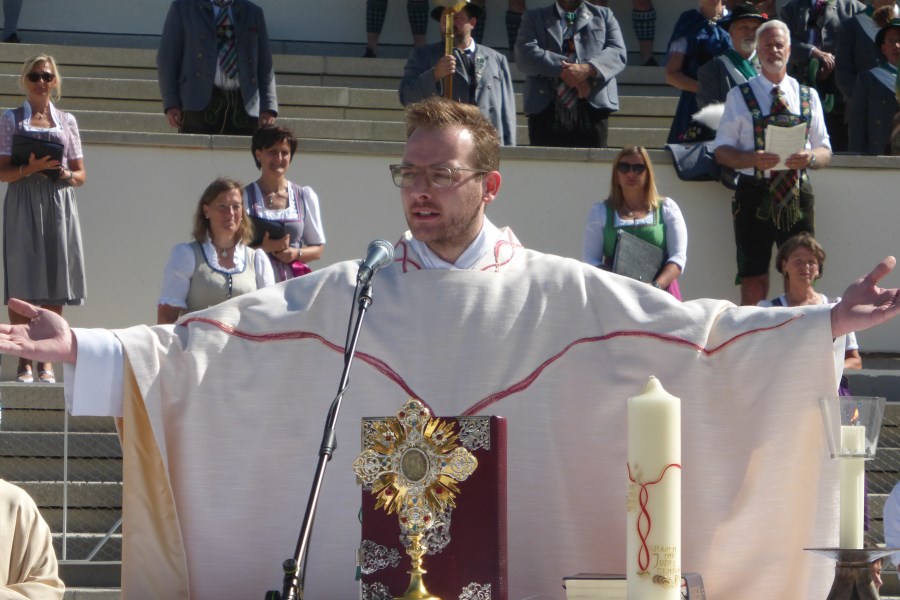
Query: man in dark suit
[[480, 75], [814, 28], [738, 64], [875, 96], [215, 67], [570, 52], [856, 49]]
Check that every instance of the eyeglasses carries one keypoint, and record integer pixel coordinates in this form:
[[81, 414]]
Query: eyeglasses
[[405, 176], [636, 168], [34, 77]]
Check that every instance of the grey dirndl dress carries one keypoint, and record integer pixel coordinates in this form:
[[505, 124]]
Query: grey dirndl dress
[[43, 258]]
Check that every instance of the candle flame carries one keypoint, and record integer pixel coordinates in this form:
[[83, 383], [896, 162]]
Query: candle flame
[[854, 420]]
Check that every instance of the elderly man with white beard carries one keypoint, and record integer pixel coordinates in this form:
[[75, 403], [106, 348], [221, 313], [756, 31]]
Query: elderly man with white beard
[[769, 206], [739, 63]]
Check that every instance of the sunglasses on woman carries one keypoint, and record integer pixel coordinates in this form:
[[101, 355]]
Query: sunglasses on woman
[[46, 77], [636, 168]]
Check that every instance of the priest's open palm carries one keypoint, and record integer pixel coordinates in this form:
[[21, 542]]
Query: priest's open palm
[[45, 337], [864, 304]]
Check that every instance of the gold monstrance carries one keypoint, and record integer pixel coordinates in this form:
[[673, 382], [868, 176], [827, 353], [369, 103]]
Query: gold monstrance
[[412, 465]]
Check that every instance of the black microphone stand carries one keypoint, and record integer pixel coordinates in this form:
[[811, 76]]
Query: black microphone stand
[[295, 568]]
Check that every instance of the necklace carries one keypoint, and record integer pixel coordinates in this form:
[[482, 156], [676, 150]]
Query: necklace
[[223, 252], [270, 197], [42, 114]]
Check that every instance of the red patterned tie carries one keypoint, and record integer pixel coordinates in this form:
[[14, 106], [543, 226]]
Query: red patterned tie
[[779, 102], [784, 184]]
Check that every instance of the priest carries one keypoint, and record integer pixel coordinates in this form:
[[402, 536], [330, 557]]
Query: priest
[[222, 412]]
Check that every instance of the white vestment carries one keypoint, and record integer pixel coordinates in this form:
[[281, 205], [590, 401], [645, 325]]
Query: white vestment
[[28, 568], [221, 441]]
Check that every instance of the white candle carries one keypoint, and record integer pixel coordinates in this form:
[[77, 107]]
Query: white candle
[[853, 482], [654, 495]]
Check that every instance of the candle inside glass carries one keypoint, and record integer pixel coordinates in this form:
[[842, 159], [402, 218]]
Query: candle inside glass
[[853, 484]]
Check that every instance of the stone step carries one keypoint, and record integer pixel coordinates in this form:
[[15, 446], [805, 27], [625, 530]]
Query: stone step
[[79, 546], [52, 444], [15, 419], [119, 93], [341, 129], [290, 69], [49, 494], [33, 407], [91, 574], [30, 468], [92, 594], [82, 520], [876, 382]]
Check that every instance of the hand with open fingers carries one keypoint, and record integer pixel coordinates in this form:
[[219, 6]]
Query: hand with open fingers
[[46, 337], [864, 304]]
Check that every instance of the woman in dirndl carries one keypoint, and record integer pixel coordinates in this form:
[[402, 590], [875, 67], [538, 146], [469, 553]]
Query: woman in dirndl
[[42, 253]]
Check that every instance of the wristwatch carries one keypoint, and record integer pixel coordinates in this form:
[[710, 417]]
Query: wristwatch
[[812, 162]]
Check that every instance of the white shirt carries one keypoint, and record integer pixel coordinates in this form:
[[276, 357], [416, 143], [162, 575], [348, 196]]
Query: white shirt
[[485, 242], [736, 126], [97, 378], [676, 232]]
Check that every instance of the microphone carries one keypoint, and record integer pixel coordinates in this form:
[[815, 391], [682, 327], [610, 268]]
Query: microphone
[[379, 255]]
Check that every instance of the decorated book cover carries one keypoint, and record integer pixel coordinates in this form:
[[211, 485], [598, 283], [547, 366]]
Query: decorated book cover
[[613, 586], [466, 554]]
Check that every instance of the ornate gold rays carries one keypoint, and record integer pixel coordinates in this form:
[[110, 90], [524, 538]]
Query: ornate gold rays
[[412, 465]]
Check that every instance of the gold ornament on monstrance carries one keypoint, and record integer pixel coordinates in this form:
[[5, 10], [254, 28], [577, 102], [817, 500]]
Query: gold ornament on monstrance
[[412, 465]]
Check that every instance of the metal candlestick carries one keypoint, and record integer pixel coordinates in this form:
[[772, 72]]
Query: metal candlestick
[[853, 572]]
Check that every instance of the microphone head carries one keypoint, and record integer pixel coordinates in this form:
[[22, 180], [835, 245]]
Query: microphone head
[[379, 255], [387, 255]]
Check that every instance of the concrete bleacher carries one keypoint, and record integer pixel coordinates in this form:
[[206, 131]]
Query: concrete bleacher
[[320, 97]]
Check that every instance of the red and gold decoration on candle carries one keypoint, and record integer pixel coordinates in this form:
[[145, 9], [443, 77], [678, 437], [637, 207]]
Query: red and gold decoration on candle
[[653, 534], [451, 7], [412, 465]]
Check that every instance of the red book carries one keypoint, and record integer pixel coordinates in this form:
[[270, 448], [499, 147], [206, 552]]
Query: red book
[[464, 559]]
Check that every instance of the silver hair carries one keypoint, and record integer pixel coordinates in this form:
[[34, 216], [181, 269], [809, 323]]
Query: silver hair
[[777, 25]]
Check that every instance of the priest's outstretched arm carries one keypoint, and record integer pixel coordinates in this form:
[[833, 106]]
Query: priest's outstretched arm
[[47, 336]]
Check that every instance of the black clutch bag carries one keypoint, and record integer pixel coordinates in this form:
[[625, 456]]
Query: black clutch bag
[[261, 226], [24, 146]]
